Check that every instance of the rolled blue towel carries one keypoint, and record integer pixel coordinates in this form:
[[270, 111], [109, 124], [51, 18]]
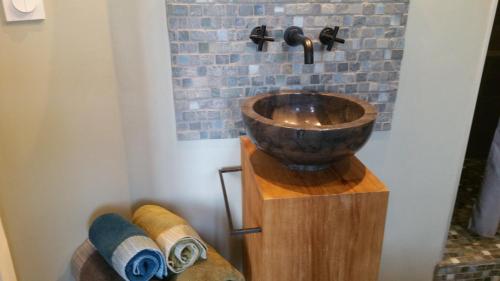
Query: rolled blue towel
[[127, 248]]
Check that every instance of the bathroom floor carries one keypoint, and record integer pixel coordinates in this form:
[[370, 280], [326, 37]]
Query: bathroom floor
[[468, 256]]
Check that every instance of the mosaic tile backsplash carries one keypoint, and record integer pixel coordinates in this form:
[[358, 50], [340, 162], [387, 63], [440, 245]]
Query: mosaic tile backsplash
[[215, 65]]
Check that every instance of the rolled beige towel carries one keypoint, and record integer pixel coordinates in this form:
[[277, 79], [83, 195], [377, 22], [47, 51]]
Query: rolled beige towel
[[215, 268], [180, 243]]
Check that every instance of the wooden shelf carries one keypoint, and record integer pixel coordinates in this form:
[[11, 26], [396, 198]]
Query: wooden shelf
[[319, 226]]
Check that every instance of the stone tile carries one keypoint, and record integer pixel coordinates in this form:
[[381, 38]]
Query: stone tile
[[246, 10], [203, 47], [397, 54], [215, 65], [466, 255], [177, 10], [214, 10], [195, 10], [342, 67], [222, 59], [293, 80], [259, 10], [302, 9]]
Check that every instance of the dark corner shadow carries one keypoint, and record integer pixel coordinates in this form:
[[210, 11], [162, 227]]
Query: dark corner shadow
[[344, 174]]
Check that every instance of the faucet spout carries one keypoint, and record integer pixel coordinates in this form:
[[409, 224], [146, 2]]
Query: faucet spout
[[308, 51], [294, 36]]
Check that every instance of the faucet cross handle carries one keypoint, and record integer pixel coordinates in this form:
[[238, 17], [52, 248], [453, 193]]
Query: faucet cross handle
[[259, 36], [328, 36]]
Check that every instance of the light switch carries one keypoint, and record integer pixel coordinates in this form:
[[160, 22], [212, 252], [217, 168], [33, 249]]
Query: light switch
[[23, 10], [24, 6]]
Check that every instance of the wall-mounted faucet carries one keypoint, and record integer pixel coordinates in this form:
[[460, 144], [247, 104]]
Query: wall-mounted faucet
[[294, 36]]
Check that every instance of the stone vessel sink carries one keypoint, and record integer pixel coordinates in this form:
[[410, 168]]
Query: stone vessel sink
[[307, 130]]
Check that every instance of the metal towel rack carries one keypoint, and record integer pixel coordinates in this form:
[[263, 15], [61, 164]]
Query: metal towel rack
[[241, 231]]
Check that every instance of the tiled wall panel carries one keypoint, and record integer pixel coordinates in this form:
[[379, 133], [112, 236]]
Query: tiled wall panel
[[215, 65]]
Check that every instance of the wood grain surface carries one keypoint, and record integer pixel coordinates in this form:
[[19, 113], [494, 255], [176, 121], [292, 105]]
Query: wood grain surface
[[317, 226]]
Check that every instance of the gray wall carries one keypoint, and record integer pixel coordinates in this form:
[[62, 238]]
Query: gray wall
[[215, 65], [62, 143]]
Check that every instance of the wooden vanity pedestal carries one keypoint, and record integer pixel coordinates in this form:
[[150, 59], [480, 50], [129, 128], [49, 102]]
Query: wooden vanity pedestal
[[316, 226]]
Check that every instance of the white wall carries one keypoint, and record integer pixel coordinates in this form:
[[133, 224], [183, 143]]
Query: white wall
[[63, 149], [182, 175], [62, 154], [446, 48]]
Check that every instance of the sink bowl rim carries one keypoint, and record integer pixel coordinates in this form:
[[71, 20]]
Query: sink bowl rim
[[369, 114]]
